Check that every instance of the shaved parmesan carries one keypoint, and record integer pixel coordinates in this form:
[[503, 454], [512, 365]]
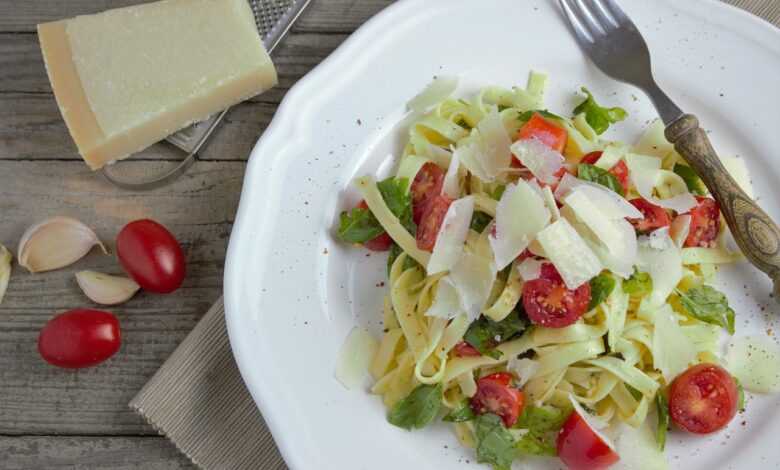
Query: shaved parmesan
[[569, 253], [496, 143], [672, 351], [612, 204], [664, 265], [611, 155], [469, 153], [549, 201], [530, 269], [473, 278], [451, 185], [542, 161], [452, 236], [409, 167], [567, 183], [446, 303], [355, 356], [434, 93], [654, 142], [520, 215], [657, 239], [738, 170], [680, 228], [525, 369], [755, 361]]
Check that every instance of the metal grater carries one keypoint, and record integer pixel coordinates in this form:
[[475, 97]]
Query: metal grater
[[274, 18]]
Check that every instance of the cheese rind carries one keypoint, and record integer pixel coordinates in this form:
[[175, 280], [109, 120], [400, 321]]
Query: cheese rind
[[127, 78]]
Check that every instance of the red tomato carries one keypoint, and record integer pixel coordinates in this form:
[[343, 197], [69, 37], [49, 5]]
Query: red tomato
[[382, 242], [495, 395], [151, 255], [431, 221], [655, 216], [464, 349], [619, 170], [703, 399], [581, 448], [705, 223], [524, 255], [549, 303], [546, 132], [426, 185], [79, 338]]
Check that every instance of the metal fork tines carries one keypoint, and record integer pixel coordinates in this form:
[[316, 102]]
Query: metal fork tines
[[613, 42]]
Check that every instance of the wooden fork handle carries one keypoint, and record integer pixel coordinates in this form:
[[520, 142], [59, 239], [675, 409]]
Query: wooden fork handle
[[754, 231]]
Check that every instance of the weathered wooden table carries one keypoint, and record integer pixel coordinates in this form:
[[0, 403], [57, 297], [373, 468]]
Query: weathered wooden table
[[54, 418]]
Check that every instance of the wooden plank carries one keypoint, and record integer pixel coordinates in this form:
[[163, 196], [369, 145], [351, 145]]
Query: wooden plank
[[322, 16], [31, 126], [198, 209], [93, 453]]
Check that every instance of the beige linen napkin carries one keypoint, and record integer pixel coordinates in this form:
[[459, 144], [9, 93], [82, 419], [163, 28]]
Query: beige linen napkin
[[199, 401]]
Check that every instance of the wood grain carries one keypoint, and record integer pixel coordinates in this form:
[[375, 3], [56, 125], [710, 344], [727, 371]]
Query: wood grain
[[40, 399], [90, 453], [323, 16]]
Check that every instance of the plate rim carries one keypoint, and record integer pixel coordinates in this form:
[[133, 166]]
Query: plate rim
[[284, 118]]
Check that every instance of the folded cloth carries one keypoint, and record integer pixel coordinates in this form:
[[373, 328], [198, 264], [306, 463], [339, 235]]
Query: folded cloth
[[200, 402]]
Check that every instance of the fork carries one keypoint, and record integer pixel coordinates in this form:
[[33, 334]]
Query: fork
[[612, 41]]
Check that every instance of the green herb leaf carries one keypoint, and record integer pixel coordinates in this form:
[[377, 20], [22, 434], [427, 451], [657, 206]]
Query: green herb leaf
[[495, 444], [398, 200], [598, 117], [600, 176], [639, 283], [498, 192], [543, 424], [662, 409], [485, 334], [526, 116], [358, 226], [418, 409], [479, 221], [461, 414], [708, 305], [692, 180], [741, 392], [600, 288]]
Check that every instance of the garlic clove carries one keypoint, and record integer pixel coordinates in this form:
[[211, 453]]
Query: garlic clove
[[5, 270], [56, 243], [105, 289]]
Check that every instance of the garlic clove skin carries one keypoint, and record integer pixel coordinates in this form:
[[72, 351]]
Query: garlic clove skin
[[105, 289], [55, 243], [5, 270]]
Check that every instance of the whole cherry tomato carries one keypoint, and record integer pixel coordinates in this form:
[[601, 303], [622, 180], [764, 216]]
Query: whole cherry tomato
[[79, 338], [151, 256]]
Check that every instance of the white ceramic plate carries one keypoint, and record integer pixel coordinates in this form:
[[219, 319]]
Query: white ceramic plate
[[292, 293]]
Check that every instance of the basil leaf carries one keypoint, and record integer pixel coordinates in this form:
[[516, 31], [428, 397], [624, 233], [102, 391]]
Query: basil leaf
[[479, 221], [358, 226], [600, 288], [495, 444], [498, 192], [418, 409], [461, 414], [398, 200], [485, 334], [543, 424], [598, 117], [741, 394], [692, 180], [526, 116], [599, 176], [708, 305], [639, 283], [534, 444], [662, 409]]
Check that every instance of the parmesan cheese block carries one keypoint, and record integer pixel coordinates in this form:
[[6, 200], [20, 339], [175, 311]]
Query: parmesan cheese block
[[127, 78]]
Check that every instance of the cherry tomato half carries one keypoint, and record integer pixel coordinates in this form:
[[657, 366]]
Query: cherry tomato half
[[464, 349], [430, 223], [426, 185], [581, 448], [703, 399], [546, 132], [549, 303], [382, 242], [496, 395], [655, 216], [619, 170], [151, 256], [79, 338], [705, 223]]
